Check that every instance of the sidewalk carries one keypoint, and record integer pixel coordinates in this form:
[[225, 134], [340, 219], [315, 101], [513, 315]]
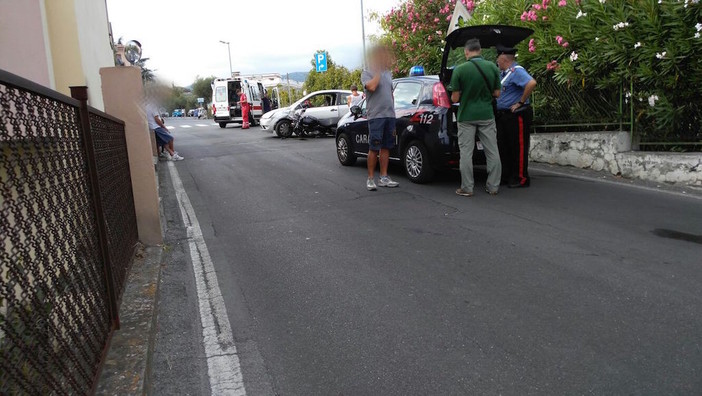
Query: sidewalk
[[126, 370]]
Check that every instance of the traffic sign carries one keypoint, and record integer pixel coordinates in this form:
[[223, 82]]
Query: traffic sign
[[200, 100], [321, 61]]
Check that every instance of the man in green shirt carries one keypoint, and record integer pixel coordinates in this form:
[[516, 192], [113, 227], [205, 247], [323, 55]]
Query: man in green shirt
[[474, 84]]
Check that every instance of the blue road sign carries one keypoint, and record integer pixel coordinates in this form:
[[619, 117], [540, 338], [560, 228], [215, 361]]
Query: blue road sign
[[321, 61]]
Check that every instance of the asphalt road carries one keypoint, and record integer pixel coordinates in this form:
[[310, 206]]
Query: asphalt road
[[573, 286]]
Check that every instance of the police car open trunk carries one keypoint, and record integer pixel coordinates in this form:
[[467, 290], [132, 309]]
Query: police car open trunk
[[489, 36]]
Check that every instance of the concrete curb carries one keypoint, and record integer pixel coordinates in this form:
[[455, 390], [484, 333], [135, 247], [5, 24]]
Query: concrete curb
[[127, 367]]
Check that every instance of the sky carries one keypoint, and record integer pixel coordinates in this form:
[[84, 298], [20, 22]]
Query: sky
[[181, 37]]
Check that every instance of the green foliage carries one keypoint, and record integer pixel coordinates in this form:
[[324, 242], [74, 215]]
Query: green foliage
[[147, 75], [336, 77], [612, 46], [285, 99], [180, 98], [202, 88]]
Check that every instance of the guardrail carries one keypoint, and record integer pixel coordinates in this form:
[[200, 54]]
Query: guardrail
[[67, 237]]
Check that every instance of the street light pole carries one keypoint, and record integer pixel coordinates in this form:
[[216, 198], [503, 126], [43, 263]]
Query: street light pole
[[231, 71], [363, 32]]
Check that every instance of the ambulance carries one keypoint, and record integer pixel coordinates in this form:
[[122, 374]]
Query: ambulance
[[225, 102]]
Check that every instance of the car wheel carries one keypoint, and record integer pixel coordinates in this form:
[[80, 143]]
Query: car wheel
[[417, 163], [222, 124], [283, 129], [344, 150]]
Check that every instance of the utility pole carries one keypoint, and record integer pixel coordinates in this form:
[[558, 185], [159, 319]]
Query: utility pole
[[289, 94], [363, 33], [229, 50]]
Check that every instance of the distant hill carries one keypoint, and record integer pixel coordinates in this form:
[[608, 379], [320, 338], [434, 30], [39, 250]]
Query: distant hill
[[297, 76]]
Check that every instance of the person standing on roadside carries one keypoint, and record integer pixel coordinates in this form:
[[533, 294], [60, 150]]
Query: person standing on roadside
[[266, 103], [355, 98], [474, 84], [380, 105], [514, 118], [244, 104]]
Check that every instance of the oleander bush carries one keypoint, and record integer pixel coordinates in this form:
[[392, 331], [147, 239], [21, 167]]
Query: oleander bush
[[584, 53]]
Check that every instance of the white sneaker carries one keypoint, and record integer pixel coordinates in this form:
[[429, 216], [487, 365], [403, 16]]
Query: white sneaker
[[176, 157], [386, 181], [370, 185]]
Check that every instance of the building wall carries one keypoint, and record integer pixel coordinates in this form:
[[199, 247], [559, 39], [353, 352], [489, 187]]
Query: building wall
[[63, 36], [94, 41], [57, 43], [24, 47]]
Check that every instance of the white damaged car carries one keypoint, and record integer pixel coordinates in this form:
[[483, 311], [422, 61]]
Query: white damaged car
[[327, 106]]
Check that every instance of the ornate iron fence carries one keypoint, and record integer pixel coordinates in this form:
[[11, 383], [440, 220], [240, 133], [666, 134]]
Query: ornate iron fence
[[58, 248], [115, 192], [571, 107]]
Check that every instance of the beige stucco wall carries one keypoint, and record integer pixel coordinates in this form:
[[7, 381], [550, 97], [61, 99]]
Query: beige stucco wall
[[24, 47], [94, 42], [124, 99], [57, 43]]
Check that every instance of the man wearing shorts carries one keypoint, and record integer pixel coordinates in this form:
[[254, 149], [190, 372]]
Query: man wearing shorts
[[380, 105], [163, 137]]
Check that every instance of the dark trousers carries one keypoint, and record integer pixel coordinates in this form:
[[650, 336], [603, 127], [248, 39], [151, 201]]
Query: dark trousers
[[513, 133]]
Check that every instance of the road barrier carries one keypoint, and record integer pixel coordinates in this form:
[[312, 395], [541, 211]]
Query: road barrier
[[68, 233]]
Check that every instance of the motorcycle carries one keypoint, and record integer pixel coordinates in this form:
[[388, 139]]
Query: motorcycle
[[308, 126]]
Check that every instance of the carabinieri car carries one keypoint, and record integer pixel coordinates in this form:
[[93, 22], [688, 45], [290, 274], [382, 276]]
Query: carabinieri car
[[426, 138], [427, 132]]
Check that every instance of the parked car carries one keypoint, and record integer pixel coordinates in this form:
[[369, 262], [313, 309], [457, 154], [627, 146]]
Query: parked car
[[424, 143], [178, 113], [427, 131], [326, 106]]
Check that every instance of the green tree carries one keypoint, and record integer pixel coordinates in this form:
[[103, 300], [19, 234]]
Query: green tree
[[202, 88], [336, 77], [147, 75]]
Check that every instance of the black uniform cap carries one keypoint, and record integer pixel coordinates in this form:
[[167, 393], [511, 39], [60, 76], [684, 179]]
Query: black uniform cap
[[501, 49]]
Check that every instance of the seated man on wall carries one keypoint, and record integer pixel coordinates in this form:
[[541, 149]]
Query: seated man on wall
[[164, 139]]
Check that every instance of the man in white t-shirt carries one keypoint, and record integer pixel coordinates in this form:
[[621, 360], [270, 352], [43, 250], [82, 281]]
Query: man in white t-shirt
[[163, 137]]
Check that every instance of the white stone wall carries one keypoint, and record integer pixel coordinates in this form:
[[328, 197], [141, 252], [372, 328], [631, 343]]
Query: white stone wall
[[675, 168], [611, 152]]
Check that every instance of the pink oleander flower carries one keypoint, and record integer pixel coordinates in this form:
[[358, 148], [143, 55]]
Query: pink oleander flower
[[562, 3], [543, 18], [565, 44], [436, 20], [448, 17], [553, 65], [536, 6], [532, 45], [524, 16], [559, 39]]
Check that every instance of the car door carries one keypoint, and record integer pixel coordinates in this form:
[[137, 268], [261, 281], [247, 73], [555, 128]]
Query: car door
[[406, 95], [324, 108], [358, 130], [342, 104]]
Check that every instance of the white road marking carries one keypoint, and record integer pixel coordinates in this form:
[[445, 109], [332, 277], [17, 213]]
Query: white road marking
[[619, 183], [170, 127], [201, 125], [186, 126], [223, 366]]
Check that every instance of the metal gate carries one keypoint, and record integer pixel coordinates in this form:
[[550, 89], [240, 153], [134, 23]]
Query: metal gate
[[67, 237]]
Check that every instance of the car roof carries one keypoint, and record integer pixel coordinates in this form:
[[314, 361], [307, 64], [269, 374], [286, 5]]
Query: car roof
[[422, 79], [329, 91]]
